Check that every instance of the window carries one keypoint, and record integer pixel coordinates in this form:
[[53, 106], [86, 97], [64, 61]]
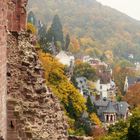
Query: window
[[101, 87], [11, 125]]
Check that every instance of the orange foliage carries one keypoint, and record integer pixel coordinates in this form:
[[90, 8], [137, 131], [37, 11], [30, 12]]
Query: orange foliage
[[98, 132], [133, 95], [78, 61], [75, 44]]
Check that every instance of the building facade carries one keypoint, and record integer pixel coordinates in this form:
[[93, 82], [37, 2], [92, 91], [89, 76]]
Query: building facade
[[109, 112], [106, 90], [16, 15]]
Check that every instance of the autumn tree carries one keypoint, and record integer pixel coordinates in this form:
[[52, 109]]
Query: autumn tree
[[133, 95], [70, 97], [31, 28], [74, 46], [119, 75], [94, 119]]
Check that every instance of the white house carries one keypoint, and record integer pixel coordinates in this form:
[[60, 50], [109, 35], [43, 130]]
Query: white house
[[106, 90], [95, 62], [65, 58]]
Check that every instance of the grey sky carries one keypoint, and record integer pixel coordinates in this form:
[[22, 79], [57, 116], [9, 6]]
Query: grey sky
[[130, 7]]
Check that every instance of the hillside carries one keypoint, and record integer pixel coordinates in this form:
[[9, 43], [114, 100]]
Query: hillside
[[111, 29]]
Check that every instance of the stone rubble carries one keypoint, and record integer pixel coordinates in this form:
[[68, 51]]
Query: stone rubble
[[34, 113], [80, 138]]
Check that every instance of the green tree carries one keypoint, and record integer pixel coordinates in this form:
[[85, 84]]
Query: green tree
[[56, 31], [42, 37], [67, 42], [90, 106], [85, 70], [31, 18], [134, 129]]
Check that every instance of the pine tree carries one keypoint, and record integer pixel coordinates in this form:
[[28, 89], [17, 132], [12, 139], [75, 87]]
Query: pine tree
[[31, 18], [90, 106], [67, 42], [56, 31], [42, 33]]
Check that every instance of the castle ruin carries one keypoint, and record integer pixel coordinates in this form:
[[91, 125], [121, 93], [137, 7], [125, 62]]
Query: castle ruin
[[13, 19]]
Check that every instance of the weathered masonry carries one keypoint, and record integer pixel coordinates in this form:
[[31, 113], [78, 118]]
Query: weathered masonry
[[16, 15], [3, 22], [12, 18]]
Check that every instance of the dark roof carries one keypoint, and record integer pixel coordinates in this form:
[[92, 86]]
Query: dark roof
[[110, 108], [122, 107], [133, 80], [101, 102]]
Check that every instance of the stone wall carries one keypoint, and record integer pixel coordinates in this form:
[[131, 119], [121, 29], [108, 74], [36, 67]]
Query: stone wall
[[12, 17], [3, 21], [33, 111], [80, 138]]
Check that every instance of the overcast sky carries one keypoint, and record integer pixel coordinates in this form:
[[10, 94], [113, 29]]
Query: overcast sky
[[130, 7]]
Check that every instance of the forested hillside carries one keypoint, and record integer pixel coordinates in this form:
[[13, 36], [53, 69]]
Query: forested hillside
[[89, 21]]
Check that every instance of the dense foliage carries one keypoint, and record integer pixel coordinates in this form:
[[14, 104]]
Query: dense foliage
[[31, 28], [133, 95], [84, 70], [74, 103], [120, 72], [72, 100], [125, 130], [103, 27]]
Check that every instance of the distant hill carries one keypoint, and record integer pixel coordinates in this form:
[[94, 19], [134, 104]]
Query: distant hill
[[112, 29]]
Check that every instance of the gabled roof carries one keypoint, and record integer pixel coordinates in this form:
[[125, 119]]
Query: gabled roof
[[133, 80], [122, 107], [101, 102], [110, 108]]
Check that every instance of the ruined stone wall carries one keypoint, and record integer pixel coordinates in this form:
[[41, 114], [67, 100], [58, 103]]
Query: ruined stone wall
[[3, 22], [33, 111]]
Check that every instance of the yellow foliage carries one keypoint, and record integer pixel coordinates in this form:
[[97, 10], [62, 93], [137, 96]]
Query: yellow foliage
[[109, 54], [74, 45], [89, 51], [31, 28], [94, 118], [60, 85], [86, 41]]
